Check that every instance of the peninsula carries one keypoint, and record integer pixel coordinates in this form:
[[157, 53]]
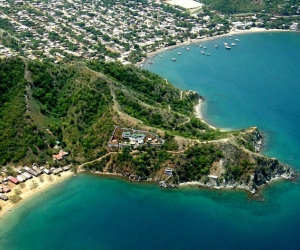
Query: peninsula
[[113, 119], [70, 95]]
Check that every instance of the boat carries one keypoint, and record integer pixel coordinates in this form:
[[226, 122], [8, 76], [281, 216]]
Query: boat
[[208, 54], [204, 47], [173, 59], [150, 62], [237, 40], [178, 53], [225, 44], [227, 47], [202, 52], [8, 209], [200, 45], [233, 44], [160, 56], [216, 46], [188, 49]]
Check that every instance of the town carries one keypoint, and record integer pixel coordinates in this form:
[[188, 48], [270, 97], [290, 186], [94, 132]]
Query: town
[[67, 30]]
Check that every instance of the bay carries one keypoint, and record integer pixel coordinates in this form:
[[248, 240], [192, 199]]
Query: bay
[[256, 83]]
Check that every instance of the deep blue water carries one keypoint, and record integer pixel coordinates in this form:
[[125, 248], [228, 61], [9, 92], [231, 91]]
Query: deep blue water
[[256, 83]]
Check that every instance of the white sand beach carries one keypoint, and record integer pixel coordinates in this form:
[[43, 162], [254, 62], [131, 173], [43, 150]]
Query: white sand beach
[[42, 183]]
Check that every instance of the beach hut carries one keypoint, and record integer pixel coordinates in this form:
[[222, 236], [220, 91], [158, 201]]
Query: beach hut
[[6, 189], [57, 170], [30, 171], [66, 168], [37, 169], [14, 180], [3, 197], [27, 175], [20, 178], [46, 171]]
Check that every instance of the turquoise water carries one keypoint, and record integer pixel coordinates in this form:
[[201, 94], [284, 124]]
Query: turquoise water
[[256, 83]]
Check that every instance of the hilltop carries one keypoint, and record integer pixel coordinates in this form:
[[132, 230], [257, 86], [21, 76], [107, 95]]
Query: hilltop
[[45, 108]]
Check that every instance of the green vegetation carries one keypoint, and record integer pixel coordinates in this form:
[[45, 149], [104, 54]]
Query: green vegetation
[[15, 198], [196, 162], [44, 107]]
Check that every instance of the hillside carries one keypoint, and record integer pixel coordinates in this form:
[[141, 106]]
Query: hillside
[[279, 7], [45, 108]]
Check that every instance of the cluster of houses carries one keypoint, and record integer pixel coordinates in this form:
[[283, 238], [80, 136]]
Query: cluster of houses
[[75, 28], [26, 173], [128, 137]]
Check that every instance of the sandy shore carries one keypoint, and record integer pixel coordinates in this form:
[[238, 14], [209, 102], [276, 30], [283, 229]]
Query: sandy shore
[[197, 40], [198, 113], [28, 191]]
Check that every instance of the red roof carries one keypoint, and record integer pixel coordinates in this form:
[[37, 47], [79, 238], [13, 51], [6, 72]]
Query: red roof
[[13, 179], [60, 155]]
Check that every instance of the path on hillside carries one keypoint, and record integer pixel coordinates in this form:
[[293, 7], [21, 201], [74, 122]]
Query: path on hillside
[[98, 159]]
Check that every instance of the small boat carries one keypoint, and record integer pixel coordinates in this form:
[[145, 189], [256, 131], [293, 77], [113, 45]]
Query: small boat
[[225, 44], [173, 59], [227, 47], [204, 47], [233, 44], [202, 52], [160, 56], [8, 209], [230, 38], [150, 62], [216, 46], [237, 40], [200, 45], [188, 49], [208, 54], [178, 53]]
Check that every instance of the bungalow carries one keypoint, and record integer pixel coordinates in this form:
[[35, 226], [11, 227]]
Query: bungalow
[[46, 171], [60, 155], [126, 135], [66, 168], [3, 197], [13, 180], [57, 170], [21, 178], [27, 175], [168, 171], [30, 171], [6, 189], [36, 169]]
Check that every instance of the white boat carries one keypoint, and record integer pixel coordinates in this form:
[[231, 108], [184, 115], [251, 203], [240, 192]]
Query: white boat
[[227, 47], [160, 56], [204, 47], [237, 40], [173, 59], [208, 54], [233, 44], [178, 53], [216, 46], [200, 46], [225, 44], [150, 62], [188, 49], [202, 52]]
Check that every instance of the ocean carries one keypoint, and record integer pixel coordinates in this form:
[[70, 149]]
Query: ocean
[[256, 83]]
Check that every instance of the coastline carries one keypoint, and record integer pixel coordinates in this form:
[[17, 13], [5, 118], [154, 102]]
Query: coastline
[[199, 114], [197, 40], [28, 192]]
